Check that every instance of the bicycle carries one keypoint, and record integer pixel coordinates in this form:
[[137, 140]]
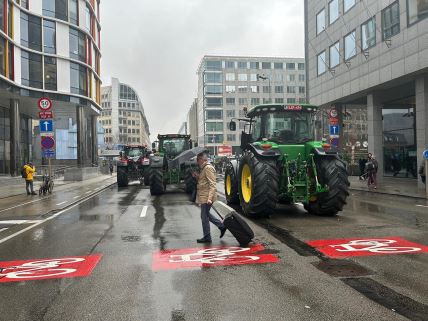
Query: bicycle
[[47, 185]]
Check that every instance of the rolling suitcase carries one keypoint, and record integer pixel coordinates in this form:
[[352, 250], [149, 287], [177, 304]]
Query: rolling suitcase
[[238, 227]]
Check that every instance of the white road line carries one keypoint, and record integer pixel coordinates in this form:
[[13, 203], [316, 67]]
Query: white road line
[[144, 212], [76, 196], [88, 192], [61, 203], [422, 205], [15, 222], [11, 208], [3, 229]]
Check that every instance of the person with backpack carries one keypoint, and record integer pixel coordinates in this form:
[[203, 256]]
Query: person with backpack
[[371, 170], [27, 172]]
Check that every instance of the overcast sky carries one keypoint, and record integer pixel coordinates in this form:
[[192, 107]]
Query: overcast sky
[[155, 46]]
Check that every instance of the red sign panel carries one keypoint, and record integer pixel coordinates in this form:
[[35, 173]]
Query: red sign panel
[[44, 104], [367, 247], [293, 107], [45, 115], [210, 257], [47, 142], [30, 270], [224, 150]]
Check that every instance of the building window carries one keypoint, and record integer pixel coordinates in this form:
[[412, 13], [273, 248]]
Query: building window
[[301, 66], [50, 73], [302, 77], [320, 21], [348, 4], [279, 89], [242, 64], [255, 101], [24, 3], [391, 21], [230, 64], [253, 77], [31, 70], [278, 65], [266, 89], [214, 114], [2, 56], [254, 65], [31, 31], [214, 127], [243, 101], [267, 101], [213, 65], [350, 46], [230, 77], [254, 89], [242, 77], [291, 90], [213, 77], [291, 100], [321, 63], [231, 137], [230, 113], [279, 100], [214, 102], [78, 79], [242, 89], [279, 77], [230, 101], [416, 10], [73, 12], [77, 45], [213, 89], [301, 90], [56, 9], [333, 11], [334, 55], [49, 37], [87, 19], [368, 34], [291, 78], [291, 66], [266, 65], [230, 89]]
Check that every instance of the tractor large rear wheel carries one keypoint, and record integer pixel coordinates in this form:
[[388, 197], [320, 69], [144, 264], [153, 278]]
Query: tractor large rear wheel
[[189, 181], [258, 185], [156, 181], [122, 177], [231, 185], [331, 172]]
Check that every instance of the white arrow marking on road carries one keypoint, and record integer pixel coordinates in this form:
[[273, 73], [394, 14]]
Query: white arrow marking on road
[[422, 205], [3, 229], [61, 203], [144, 212]]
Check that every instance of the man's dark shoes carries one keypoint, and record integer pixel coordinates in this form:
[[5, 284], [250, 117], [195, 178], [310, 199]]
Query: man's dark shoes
[[222, 231], [28, 193], [33, 193], [203, 240]]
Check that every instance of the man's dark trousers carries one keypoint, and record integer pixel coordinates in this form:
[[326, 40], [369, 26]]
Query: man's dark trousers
[[206, 218]]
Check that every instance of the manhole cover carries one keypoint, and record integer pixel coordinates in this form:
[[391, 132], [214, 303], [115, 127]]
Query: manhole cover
[[131, 238], [342, 268]]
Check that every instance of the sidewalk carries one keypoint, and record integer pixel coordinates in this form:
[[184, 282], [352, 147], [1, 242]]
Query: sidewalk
[[390, 185], [15, 186]]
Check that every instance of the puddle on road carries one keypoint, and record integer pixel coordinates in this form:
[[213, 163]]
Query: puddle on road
[[159, 223]]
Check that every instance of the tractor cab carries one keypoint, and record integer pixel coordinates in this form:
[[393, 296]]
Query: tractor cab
[[173, 145]]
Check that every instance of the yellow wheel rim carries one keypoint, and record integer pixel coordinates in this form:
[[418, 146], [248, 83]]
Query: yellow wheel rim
[[246, 183], [228, 185]]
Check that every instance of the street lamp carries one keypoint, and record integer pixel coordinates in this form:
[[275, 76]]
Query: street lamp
[[262, 77]]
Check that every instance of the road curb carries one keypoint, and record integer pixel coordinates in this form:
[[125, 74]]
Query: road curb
[[386, 193]]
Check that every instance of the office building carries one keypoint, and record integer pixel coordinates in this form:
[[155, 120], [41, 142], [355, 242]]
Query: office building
[[369, 60], [227, 84], [123, 116]]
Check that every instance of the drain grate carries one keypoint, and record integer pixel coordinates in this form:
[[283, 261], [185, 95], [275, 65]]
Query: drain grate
[[131, 238], [178, 315], [342, 268]]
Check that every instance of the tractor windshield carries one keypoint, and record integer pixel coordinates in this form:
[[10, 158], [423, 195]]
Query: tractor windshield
[[288, 127], [134, 151], [174, 146]]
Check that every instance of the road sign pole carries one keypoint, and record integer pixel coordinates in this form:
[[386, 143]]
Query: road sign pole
[[426, 176]]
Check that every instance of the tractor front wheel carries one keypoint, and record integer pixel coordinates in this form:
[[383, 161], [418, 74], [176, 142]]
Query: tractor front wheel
[[157, 186], [231, 185], [331, 172], [122, 177], [258, 185]]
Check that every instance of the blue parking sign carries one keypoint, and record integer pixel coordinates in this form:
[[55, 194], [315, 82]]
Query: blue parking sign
[[334, 130], [46, 125], [426, 154]]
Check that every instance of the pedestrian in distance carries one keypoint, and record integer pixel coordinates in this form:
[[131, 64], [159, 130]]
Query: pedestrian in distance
[[28, 171], [111, 169], [422, 172], [206, 196], [371, 170]]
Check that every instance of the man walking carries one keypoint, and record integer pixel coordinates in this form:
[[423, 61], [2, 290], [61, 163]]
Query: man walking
[[206, 196], [29, 171], [371, 167]]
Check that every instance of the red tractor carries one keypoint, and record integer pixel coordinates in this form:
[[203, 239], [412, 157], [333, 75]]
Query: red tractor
[[133, 165]]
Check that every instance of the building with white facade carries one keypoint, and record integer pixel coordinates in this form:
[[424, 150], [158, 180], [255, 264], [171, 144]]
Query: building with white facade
[[192, 120], [123, 116], [48, 48], [227, 84], [369, 60]]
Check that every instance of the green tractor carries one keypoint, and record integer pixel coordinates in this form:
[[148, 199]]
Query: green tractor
[[282, 162], [171, 163]]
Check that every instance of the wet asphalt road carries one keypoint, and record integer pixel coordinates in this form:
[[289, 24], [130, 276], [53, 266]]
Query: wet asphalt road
[[128, 225]]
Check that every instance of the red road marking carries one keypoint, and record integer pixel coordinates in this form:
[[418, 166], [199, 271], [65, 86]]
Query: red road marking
[[210, 256], [367, 247], [41, 269]]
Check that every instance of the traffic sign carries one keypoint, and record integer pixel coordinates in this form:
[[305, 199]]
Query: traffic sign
[[426, 154], [334, 130], [47, 142], [46, 125], [45, 115], [44, 104], [48, 153], [333, 113]]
